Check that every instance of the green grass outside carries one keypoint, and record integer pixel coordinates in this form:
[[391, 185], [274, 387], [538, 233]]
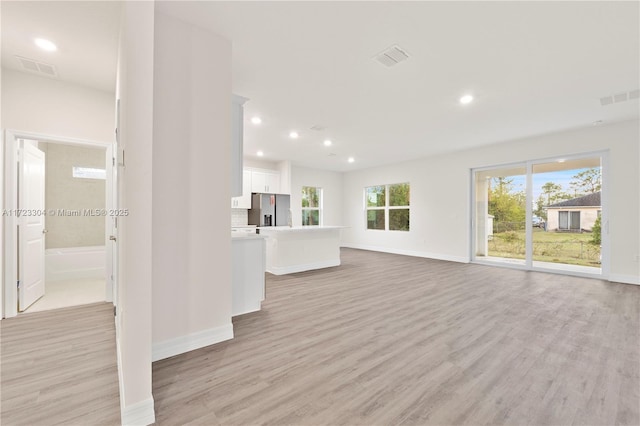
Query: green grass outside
[[555, 247]]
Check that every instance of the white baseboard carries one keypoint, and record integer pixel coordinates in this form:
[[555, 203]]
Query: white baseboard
[[436, 256], [625, 279], [247, 310], [282, 270], [192, 341], [139, 414], [120, 376]]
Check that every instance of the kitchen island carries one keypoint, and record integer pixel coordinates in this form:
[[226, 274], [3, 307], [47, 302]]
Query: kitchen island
[[247, 272], [301, 248]]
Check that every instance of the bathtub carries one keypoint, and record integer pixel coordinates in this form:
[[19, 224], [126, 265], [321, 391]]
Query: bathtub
[[74, 263]]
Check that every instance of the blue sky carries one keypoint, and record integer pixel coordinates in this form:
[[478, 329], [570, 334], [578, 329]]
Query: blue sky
[[562, 178]]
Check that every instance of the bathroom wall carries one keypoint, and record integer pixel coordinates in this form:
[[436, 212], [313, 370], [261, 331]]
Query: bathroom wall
[[64, 192]]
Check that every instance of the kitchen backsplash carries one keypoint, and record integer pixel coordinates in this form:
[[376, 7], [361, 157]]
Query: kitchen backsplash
[[239, 217]]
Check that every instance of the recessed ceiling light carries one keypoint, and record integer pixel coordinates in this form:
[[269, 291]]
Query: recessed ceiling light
[[256, 120], [293, 135], [45, 45], [351, 159], [260, 153], [562, 160], [466, 99], [327, 142]]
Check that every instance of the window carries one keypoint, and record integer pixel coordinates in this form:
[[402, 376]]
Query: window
[[311, 206], [569, 220], [387, 207], [88, 173], [376, 203]]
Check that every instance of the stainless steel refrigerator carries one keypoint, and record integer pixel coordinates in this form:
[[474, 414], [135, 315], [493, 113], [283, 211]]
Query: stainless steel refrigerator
[[269, 210]]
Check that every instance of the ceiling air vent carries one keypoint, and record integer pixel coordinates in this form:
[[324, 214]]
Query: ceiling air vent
[[620, 97], [37, 67], [392, 56], [318, 127]]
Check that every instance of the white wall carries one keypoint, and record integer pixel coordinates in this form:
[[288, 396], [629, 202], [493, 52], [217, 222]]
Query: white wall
[[1, 202], [52, 107], [63, 191], [191, 188], [35, 104], [260, 164], [440, 194], [135, 91], [331, 184]]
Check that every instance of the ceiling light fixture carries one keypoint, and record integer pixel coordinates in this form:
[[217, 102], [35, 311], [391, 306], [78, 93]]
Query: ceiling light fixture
[[466, 99], [562, 160], [45, 45], [293, 135], [327, 142], [351, 159], [256, 120], [260, 153]]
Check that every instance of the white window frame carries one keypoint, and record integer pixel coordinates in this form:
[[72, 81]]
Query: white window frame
[[528, 164], [319, 208], [386, 208]]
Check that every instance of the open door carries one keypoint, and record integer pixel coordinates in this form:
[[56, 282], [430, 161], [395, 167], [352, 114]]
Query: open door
[[31, 231], [113, 203], [111, 228]]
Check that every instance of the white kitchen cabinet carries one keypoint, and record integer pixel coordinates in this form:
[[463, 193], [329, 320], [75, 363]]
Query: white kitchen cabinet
[[237, 123], [247, 273], [244, 201], [265, 182]]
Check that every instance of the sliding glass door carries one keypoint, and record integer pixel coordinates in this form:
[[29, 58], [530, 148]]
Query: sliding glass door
[[500, 214], [567, 196], [542, 215]]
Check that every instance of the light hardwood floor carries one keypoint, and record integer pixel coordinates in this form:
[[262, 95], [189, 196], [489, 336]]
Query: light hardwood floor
[[59, 368], [386, 339]]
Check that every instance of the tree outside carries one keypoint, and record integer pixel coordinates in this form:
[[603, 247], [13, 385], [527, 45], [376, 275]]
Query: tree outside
[[508, 206], [397, 207], [310, 196], [311, 205], [399, 195]]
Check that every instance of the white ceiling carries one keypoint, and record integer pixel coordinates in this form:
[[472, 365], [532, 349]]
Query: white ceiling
[[533, 68], [85, 32]]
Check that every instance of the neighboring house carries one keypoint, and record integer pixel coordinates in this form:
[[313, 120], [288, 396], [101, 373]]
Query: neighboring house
[[574, 215]]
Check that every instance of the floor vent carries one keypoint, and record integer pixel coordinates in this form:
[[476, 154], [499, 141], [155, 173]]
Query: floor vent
[[392, 56], [34, 66], [620, 97]]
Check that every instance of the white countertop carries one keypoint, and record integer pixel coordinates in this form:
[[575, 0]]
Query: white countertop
[[298, 228]]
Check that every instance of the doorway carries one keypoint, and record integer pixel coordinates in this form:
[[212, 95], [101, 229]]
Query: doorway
[[70, 263], [547, 215]]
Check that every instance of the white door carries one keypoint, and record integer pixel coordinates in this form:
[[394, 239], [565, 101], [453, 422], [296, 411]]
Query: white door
[[113, 204], [31, 225], [116, 185]]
